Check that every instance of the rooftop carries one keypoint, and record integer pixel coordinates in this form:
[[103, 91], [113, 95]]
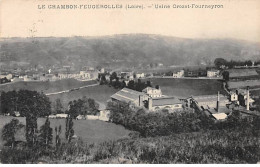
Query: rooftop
[[220, 116], [127, 95]]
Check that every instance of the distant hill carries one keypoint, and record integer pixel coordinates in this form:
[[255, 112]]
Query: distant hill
[[123, 50]]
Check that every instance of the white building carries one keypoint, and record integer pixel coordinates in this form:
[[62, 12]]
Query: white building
[[139, 75], [8, 76], [178, 74], [212, 73], [153, 92]]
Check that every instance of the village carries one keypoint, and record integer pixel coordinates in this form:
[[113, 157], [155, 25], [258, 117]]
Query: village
[[236, 81], [135, 102]]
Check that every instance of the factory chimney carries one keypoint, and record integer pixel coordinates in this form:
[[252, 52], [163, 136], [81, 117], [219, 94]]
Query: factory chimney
[[218, 102], [140, 101], [247, 98], [150, 103]]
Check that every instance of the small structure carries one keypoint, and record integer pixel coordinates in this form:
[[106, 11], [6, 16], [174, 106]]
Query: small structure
[[212, 73], [139, 75], [104, 115], [80, 117], [220, 116], [178, 74], [17, 114]]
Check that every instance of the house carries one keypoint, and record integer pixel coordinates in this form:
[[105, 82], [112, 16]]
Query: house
[[84, 75], [8, 76], [130, 96], [104, 115], [169, 103], [233, 96], [80, 117], [153, 92], [17, 114], [139, 75], [178, 74], [127, 75], [212, 73]]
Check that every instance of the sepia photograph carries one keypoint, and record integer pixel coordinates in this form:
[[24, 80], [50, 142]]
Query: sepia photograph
[[129, 82]]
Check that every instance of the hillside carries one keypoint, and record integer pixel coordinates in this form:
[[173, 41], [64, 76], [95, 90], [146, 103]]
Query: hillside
[[122, 50]]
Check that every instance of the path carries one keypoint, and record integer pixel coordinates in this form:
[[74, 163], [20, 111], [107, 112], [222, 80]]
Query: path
[[70, 90]]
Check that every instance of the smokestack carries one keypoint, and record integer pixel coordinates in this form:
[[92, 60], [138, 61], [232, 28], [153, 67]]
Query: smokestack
[[247, 98], [140, 100], [218, 102], [150, 103]]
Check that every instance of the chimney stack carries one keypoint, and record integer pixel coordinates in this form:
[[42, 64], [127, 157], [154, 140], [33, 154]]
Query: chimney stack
[[247, 98], [140, 100], [218, 102], [150, 103]]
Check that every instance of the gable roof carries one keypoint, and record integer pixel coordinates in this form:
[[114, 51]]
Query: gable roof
[[127, 95], [165, 101]]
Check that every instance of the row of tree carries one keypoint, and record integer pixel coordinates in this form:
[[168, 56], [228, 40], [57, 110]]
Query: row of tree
[[117, 83], [83, 106], [219, 62], [150, 124]]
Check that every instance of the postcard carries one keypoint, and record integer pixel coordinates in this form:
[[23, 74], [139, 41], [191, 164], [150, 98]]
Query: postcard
[[129, 81]]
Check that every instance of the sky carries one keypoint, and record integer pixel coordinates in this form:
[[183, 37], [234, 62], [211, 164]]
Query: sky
[[239, 19]]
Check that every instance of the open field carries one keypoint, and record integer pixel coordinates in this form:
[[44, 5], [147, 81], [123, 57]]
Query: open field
[[100, 93], [46, 86], [243, 84], [187, 87], [92, 131]]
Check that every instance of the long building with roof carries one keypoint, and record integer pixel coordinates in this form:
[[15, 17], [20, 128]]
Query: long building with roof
[[130, 96], [169, 103], [143, 99]]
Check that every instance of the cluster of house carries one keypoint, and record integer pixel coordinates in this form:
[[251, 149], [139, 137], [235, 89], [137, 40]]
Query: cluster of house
[[86, 74]]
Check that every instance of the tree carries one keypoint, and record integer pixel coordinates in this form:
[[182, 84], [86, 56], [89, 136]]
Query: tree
[[46, 136], [9, 130], [69, 128], [57, 137], [33, 105], [58, 108], [131, 84]]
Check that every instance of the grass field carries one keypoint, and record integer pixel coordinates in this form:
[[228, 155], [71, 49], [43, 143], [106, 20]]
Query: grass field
[[91, 131], [187, 87], [45, 86], [100, 93]]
